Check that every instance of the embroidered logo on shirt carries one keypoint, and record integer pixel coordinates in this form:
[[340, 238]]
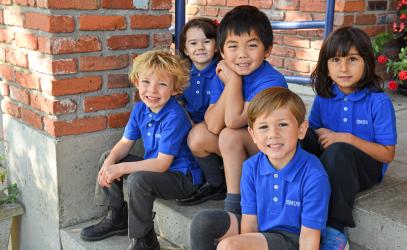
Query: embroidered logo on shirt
[[362, 122], [208, 92], [293, 203], [157, 135]]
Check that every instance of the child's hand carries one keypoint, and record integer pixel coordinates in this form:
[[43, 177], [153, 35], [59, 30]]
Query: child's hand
[[327, 138], [106, 173], [226, 74]]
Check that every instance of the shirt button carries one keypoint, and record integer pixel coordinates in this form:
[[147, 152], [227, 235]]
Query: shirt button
[[199, 74], [275, 199], [198, 82], [150, 115], [276, 176], [208, 92], [345, 119], [345, 99], [197, 91], [149, 125], [345, 108], [275, 186], [148, 133]]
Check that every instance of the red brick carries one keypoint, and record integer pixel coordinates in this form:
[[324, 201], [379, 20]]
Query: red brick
[[297, 16], [2, 54], [211, 11], [306, 54], [10, 108], [117, 4], [261, 4], [276, 61], [313, 6], [117, 120], [113, 101], [74, 127], [31, 118], [93, 22], [216, 2], [233, 3], [365, 19], [6, 36], [192, 10], [49, 23], [296, 42], [197, 2], [118, 81], [5, 2], [374, 30], [27, 80], [19, 94], [316, 44], [64, 66], [71, 86], [53, 107], [96, 63], [17, 57], [5, 90], [343, 20], [347, 6], [127, 42], [7, 72], [1, 17], [44, 44], [13, 17], [160, 4], [282, 51], [287, 5], [150, 21], [26, 40], [25, 2], [297, 65], [162, 40], [67, 45], [68, 4]]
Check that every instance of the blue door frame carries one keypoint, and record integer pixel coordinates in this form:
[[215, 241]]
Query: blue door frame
[[326, 24]]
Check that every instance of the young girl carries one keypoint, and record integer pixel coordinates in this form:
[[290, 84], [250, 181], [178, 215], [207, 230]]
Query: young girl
[[198, 44], [353, 125]]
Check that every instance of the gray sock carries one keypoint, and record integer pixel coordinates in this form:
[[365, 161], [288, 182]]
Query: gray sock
[[232, 203], [207, 226], [210, 168]]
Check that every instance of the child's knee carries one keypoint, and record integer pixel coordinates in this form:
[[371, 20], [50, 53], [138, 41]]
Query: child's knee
[[230, 138], [210, 224], [137, 181], [196, 138], [227, 244]]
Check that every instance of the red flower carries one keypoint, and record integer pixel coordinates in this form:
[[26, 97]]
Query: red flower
[[216, 22], [382, 59], [403, 75], [393, 85]]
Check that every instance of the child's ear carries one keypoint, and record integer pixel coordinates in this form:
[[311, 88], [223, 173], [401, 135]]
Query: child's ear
[[267, 53], [251, 134], [303, 130]]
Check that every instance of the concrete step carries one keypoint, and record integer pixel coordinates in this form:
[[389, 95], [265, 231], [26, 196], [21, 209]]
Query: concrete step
[[70, 240]]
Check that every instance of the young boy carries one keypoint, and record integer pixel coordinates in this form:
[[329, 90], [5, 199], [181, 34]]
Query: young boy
[[168, 170], [285, 190], [245, 39]]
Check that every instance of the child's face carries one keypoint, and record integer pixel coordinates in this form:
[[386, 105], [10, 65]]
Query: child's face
[[199, 48], [244, 53], [276, 135], [155, 89], [347, 71]]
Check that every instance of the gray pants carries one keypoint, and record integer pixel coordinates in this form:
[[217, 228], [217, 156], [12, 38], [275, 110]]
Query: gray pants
[[144, 187]]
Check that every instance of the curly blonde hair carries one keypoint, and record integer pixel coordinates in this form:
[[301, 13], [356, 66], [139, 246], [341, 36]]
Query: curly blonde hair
[[162, 60]]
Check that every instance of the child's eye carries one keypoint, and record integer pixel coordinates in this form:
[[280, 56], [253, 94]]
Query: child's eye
[[192, 43], [353, 59], [163, 84], [232, 46], [208, 41], [334, 59], [253, 45], [145, 81], [263, 127], [283, 124]]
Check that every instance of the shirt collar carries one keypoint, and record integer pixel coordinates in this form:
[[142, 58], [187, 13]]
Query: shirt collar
[[208, 71], [166, 109], [251, 77], [354, 96], [288, 172]]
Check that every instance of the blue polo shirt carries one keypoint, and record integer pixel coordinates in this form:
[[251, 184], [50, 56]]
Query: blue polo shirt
[[164, 132], [198, 93], [363, 113], [285, 199], [262, 78]]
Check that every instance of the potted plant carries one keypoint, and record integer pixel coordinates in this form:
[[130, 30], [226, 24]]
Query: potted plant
[[9, 207], [391, 50]]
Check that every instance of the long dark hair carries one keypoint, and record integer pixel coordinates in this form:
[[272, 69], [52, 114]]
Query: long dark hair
[[208, 26], [339, 44]]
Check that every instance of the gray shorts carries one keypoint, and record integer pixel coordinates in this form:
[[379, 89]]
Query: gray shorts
[[282, 240]]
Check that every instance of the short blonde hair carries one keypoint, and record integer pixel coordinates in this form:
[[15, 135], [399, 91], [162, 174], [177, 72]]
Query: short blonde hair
[[162, 60], [268, 100]]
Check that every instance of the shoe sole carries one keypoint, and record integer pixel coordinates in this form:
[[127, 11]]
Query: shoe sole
[[214, 197], [121, 232]]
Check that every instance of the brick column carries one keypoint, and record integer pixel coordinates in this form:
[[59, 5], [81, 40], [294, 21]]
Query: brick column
[[66, 98], [296, 52]]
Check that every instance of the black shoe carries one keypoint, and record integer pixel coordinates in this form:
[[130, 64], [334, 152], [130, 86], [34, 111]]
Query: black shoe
[[115, 223], [144, 244], [204, 193]]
